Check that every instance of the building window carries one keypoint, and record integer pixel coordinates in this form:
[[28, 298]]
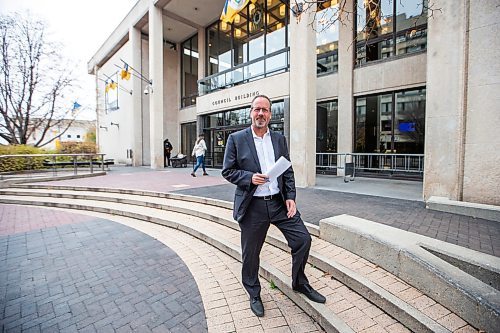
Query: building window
[[189, 73], [327, 38], [326, 127], [69, 136], [390, 122], [254, 46], [385, 28], [188, 138], [78, 136]]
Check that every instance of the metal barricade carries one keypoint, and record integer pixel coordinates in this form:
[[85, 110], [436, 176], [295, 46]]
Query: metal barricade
[[393, 163], [352, 163]]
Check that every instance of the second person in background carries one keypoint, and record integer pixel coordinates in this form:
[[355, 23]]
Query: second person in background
[[199, 150]]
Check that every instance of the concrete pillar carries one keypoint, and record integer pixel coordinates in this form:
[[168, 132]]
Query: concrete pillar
[[482, 144], [135, 50], [97, 108], [202, 54], [445, 104], [303, 98], [345, 133], [156, 75]]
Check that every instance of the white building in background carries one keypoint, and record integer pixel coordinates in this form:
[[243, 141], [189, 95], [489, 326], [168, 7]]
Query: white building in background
[[77, 132], [415, 97]]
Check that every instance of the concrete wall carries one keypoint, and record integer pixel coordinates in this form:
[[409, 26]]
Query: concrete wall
[[327, 87], [187, 115], [115, 140], [389, 75], [171, 127], [482, 142], [276, 87]]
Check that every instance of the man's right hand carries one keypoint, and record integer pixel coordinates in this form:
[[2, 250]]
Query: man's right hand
[[259, 179]]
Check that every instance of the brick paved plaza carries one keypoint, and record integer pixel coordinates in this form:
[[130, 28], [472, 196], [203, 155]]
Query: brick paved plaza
[[92, 275]]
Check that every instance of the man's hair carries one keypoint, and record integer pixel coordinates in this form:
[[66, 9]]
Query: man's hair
[[262, 96]]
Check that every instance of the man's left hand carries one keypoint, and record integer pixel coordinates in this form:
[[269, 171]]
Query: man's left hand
[[291, 208]]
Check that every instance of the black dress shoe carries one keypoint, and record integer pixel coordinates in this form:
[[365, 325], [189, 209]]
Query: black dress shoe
[[256, 306], [310, 293]]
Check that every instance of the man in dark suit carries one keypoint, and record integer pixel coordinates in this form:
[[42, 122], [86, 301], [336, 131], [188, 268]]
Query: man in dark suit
[[259, 201]]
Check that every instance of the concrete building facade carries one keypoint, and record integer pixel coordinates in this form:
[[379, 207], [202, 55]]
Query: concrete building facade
[[413, 83]]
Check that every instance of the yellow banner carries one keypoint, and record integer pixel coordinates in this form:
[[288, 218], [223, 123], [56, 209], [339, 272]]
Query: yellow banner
[[232, 8]]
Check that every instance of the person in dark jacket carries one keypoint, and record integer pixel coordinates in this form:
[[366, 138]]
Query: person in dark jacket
[[167, 151], [260, 201]]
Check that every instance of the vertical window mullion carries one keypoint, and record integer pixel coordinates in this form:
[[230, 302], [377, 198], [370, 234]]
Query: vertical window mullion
[[191, 56], [232, 50], [394, 32], [248, 33], [393, 118], [354, 32], [265, 38], [218, 47], [183, 89], [207, 52]]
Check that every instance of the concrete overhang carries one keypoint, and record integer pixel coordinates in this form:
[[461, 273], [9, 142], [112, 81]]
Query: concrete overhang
[[182, 19], [137, 17]]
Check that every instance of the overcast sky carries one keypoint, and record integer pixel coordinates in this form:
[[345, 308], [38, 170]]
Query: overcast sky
[[82, 27]]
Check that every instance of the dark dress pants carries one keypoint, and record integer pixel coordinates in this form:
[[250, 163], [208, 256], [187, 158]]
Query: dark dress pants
[[254, 225]]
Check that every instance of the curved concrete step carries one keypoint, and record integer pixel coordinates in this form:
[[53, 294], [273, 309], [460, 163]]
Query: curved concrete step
[[461, 279], [403, 302]]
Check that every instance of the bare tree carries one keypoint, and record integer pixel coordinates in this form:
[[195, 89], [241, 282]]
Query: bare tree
[[326, 13], [34, 80]]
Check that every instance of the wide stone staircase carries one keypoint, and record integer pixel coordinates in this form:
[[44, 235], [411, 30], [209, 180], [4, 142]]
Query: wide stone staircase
[[362, 295]]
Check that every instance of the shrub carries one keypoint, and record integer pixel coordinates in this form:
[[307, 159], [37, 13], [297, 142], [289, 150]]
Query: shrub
[[20, 163], [77, 148]]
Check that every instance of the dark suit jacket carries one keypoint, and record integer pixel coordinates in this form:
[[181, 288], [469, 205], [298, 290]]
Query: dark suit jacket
[[241, 162]]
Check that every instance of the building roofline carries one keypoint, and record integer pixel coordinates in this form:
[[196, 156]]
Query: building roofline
[[137, 17]]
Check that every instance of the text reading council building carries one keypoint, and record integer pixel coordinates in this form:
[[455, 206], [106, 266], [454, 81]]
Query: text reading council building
[[404, 90]]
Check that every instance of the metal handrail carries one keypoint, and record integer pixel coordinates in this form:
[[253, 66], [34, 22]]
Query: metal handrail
[[204, 81], [404, 163], [54, 162]]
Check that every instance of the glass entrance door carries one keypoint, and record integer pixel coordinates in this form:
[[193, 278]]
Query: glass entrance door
[[217, 146]]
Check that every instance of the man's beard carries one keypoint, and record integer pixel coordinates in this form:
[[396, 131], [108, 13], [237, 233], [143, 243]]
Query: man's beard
[[260, 123]]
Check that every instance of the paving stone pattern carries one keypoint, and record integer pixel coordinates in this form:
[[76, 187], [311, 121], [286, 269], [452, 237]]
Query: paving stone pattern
[[314, 205], [95, 276], [15, 219]]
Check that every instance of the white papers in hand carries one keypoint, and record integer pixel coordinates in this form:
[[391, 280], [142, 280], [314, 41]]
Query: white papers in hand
[[281, 165]]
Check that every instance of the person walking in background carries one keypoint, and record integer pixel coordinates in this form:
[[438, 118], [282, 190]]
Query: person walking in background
[[260, 201], [199, 151], [167, 150]]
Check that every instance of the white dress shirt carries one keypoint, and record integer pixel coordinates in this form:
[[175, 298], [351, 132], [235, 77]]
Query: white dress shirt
[[265, 152]]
